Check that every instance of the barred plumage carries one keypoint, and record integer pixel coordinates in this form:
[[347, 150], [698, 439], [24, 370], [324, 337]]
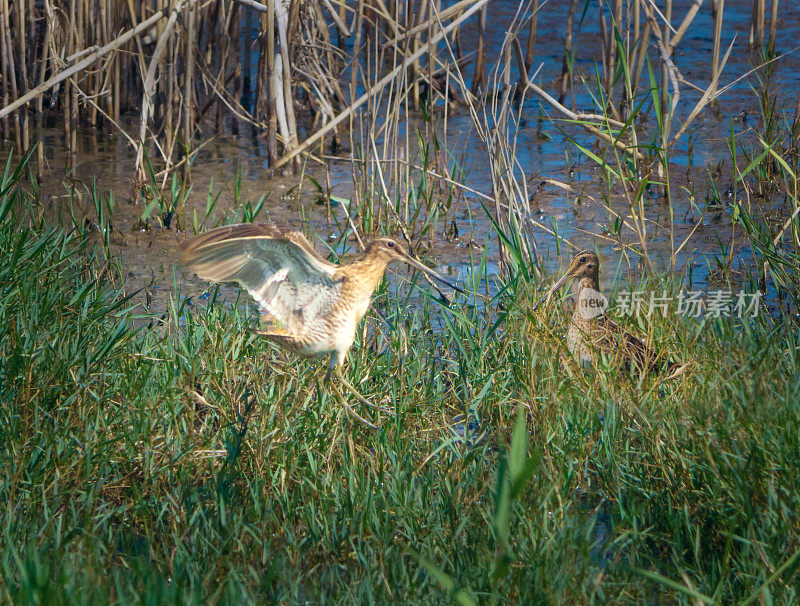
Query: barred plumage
[[317, 305], [592, 332]]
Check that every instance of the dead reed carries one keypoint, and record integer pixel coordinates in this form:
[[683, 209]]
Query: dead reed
[[168, 72], [337, 81]]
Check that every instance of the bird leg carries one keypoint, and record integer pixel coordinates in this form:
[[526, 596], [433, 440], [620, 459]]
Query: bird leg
[[347, 408], [358, 396], [335, 367], [349, 386]]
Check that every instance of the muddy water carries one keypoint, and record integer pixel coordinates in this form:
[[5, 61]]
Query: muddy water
[[235, 169]]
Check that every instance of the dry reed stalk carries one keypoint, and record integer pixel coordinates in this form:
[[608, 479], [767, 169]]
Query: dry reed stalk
[[605, 53], [756, 22], [531, 36], [149, 84], [684, 26], [83, 63], [378, 86], [234, 35], [565, 65], [139, 49], [105, 36], [21, 43], [23, 70], [416, 43], [796, 123], [616, 26], [355, 63], [94, 81], [523, 70], [282, 18], [479, 77], [642, 53], [760, 23], [665, 75], [582, 120], [338, 18], [506, 66], [430, 57], [280, 104], [453, 11], [773, 26], [260, 87], [4, 70], [711, 93], [188, 88], [272, 117], [77, 47], [116, 84], [224, 30], [70, 99], [11, 72], [717, 10], [169, 93], [246, 60]]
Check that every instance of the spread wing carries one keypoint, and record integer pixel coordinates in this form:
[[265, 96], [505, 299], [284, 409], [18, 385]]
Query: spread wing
[[281, 270]]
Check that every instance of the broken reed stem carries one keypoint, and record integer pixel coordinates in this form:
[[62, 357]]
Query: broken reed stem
[[567, 61], [718, 7], [773, 27], [532, 36], [760, 23], [188, 89], [757, 24], [479, 77]]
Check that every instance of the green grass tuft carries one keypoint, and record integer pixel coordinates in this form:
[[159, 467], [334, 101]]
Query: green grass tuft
[[189, 462]]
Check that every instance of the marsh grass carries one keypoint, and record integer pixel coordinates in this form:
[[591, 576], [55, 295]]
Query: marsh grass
[[187, 461]]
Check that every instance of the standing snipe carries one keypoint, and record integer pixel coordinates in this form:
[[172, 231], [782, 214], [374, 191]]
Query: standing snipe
[[592, 332], [316, 305]]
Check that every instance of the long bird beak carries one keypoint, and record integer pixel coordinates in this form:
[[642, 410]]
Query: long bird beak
[[427, 270], [553, 289]]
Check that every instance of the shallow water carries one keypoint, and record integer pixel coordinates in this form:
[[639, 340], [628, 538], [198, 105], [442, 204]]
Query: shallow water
[[236, 167]]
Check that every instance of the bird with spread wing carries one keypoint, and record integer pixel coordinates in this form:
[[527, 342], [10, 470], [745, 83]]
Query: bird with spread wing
[[316, 305]]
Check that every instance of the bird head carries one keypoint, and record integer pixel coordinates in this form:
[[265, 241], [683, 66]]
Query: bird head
[[391, 249], [585, 264]]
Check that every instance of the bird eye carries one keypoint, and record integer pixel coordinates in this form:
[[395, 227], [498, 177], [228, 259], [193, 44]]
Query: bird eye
[[390, 244], [583, 259]]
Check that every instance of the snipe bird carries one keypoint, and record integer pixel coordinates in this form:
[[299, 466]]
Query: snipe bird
[[316, 305], [592, 332]]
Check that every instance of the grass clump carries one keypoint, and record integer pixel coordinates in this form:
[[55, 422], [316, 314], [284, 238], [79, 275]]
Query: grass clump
[[189, 461]]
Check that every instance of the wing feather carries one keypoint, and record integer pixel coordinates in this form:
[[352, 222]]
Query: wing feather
[[280, 270]]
